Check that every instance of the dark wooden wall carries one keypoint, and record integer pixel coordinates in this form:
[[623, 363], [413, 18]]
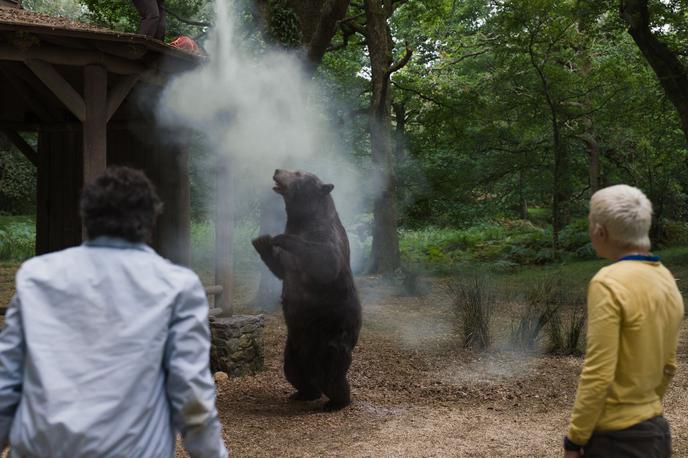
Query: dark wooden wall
[[60, 172]]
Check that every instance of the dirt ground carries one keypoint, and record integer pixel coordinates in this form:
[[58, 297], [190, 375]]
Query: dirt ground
[[416, 392]]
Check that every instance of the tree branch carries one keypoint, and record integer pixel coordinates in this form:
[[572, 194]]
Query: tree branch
[[402, 63], [187, 21]]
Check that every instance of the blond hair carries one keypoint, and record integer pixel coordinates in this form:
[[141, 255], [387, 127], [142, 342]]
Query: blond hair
[[626, 213]]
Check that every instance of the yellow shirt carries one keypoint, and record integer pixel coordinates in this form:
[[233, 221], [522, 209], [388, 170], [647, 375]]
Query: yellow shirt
[[634, 315]]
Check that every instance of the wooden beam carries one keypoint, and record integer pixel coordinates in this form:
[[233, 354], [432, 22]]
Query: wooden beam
[[119, 93], [23, 91], [26, 149], [224, 234], [95, 122], [131, 51], [60, 87], [60, 56]]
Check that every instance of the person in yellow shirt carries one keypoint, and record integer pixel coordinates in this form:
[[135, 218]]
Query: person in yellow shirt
[[634, 315]]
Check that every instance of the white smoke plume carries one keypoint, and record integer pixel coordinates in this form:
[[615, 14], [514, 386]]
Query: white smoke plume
[[263, 111]]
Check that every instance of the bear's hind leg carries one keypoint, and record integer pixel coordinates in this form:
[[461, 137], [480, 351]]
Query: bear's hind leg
[[298, 376], [334, 384]]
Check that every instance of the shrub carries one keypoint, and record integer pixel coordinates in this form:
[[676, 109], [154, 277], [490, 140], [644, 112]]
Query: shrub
[[474, 300], [17, 238], [542, 303], [18, 184], [575, 330]]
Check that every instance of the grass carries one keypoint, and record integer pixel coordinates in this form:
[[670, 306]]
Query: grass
[[474, 304], [502, 245], [17, 237]]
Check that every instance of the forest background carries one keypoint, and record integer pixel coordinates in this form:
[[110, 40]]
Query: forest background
[[493, 121]]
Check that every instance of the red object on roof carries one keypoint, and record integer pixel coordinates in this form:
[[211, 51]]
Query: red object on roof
[[185, 43]]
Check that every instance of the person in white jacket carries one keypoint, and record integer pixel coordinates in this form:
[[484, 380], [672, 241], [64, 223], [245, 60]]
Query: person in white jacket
[[105, 348]]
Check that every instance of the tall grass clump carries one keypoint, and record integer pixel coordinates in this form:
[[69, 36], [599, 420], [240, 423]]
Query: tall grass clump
[[566, 327], [474, 305], [542, 303]]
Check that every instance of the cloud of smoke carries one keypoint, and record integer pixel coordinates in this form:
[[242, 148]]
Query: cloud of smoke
[[262, 111]]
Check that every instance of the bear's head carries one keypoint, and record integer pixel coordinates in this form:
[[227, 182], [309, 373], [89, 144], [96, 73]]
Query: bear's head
[[303, 193]]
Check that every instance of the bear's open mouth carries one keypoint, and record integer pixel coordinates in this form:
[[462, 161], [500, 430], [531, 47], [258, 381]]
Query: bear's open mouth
[[279, 188]]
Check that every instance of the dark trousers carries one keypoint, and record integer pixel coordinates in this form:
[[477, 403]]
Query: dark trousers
[[152, 17], [649, 439]]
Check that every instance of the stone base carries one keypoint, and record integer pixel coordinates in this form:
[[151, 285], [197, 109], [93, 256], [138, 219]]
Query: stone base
[[237, 344]]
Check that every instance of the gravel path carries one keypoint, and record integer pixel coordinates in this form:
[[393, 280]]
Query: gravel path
[[418, 394]]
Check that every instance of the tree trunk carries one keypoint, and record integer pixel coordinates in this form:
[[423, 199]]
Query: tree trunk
[[589, 136], [593, 149], [561, 189], [400, 132], [561, 186], [672, 74], [522, 201], [385, 251]]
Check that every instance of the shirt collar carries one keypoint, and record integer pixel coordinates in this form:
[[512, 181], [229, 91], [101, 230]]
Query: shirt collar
[[117, 242], [639, 257]]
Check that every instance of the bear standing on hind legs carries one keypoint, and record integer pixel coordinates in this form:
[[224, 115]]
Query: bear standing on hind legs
[[319, 298]]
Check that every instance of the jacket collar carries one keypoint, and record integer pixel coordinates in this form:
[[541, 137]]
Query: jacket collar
[[117, 242]]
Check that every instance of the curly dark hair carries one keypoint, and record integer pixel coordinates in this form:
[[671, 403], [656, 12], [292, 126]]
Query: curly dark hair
[[121, 202]]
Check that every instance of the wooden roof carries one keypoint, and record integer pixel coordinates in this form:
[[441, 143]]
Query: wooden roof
[[39, 52], [47, 27]]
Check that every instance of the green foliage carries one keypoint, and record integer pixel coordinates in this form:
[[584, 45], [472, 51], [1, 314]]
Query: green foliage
[[121, 14], [17, 238], [504, 244], [284, 26], [65, 8], [17, 183]]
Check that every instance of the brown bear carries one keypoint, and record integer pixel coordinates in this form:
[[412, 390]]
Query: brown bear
[[319, 298]]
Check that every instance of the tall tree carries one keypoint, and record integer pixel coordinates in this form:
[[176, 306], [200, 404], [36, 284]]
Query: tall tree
[[671, 72], [384, 257]]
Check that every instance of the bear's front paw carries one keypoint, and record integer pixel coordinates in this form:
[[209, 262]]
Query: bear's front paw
[[284, 241], [262, 244]]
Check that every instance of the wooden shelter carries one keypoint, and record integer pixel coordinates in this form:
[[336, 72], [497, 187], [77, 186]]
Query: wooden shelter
[[89, 94]]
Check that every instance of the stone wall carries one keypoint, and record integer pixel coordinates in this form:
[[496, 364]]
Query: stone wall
[[237, 344]]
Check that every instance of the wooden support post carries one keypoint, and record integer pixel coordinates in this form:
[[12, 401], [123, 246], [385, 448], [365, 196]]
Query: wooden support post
[[119, 93], [95, 123], [26, 149], [60, 87], [43, 194], [224, 228], [174, 225]]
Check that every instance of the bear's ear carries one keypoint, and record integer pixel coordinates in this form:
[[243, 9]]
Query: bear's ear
[[327, 188]]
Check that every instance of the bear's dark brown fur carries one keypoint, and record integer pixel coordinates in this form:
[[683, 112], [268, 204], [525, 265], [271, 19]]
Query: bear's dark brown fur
[[319, 298]]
